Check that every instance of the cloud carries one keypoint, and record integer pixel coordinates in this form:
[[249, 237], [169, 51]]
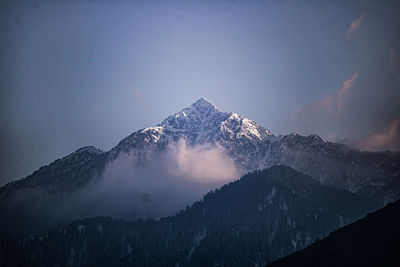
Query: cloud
[[155, 184], [354, 26], [386, 139], [328, 103], [134, 185], [325, 105], [203, 164], [345, 91]]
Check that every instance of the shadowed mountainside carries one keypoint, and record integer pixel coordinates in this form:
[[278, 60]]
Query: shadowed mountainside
[[371, 241], [261, 217]]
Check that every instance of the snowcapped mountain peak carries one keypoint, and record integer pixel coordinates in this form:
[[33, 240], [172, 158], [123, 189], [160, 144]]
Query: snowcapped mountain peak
[[201, 123], [201, 114], [204, 103]]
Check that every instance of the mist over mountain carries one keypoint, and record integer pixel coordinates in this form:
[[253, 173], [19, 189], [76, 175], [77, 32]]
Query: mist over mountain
[[110, 156], [261, 217], [158, 170]]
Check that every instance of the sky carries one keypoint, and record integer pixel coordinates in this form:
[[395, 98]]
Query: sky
[[77, 73]]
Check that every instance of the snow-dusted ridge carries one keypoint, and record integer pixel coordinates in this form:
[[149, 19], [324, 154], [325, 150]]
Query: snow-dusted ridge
[[241, 145], [89, 149], [253, 147], [249, 145], [203, 123], [204, 118]]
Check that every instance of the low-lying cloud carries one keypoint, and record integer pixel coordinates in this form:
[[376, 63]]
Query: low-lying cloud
[[386, 139], [158, 183], [150, 185], [202, 164]]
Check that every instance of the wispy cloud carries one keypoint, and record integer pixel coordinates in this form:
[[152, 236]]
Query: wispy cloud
[[345, 91], [326, 104], [331, 104], [354, 26], [386, 139]]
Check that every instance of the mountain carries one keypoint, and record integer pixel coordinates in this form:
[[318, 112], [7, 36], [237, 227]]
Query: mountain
[[371, 241], [26, 205], [371, 174], [203, 148], [262, 216], [203, 123]]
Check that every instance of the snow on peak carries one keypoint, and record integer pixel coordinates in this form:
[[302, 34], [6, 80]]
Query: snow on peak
[[206, 122], [204, 103], [192, 118], [243, 127], [202, 123]]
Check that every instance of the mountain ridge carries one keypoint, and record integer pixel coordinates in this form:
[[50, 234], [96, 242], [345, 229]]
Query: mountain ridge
[[374, 175], [253, 147], [370, 241], [260, 217]]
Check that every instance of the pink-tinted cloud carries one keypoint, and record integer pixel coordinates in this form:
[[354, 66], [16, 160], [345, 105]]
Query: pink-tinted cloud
[[137, 93], [386, 139], [307, 112], [326, 104], [354, 26], [330, 104], [345, 91]]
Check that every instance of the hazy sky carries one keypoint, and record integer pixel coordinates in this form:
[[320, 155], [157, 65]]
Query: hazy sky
[[76, 73]]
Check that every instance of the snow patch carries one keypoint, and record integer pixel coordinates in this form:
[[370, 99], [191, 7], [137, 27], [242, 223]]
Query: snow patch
[[197, 239]]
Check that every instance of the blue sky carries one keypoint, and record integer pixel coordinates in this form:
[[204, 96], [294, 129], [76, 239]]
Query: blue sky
[[75, 73]]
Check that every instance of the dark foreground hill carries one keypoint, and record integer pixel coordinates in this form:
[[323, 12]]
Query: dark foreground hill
[[371, 241], [261, 217]]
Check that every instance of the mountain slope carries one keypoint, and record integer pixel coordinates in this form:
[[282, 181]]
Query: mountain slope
[[261, 217], [201, 126], [26, 205], [371, 241], [253, 147]]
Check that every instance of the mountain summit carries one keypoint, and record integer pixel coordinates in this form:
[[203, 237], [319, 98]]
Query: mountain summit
[[202, 126], [199, 124], [253, 147], [204, 103]]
